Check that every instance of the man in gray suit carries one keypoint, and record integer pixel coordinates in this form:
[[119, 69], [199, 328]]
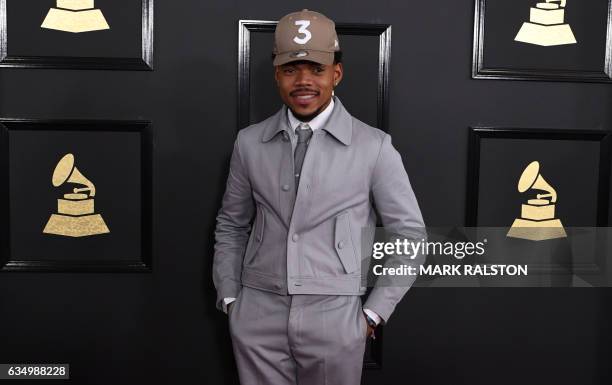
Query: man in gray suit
[[302, 185]]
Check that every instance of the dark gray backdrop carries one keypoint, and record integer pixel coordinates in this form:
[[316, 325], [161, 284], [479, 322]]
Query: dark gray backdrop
[[162, 327]]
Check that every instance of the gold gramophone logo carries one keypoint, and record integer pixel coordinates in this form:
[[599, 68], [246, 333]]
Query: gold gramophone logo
[[537, 221], [546, 26], [75, 211], [75, 16]]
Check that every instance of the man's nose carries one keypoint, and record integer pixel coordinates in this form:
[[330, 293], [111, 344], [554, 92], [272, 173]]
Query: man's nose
[[303, 78]]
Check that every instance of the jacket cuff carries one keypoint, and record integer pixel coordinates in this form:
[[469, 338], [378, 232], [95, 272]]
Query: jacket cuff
[[229, 289], [383, 310], [227, 301], [382, 301]]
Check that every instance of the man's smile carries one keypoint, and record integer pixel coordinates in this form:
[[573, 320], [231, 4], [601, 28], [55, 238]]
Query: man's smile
[[304, 97]]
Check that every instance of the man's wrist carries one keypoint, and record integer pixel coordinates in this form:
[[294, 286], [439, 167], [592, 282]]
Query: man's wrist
[[226, 302], [373, 316], [370, 321]]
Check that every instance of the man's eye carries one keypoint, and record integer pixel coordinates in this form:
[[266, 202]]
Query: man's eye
[[288, 70], [319, 69]]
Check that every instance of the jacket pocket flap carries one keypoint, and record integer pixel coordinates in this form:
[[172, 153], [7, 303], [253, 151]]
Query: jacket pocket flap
[[344, 243], [260, 222], [256, 237]]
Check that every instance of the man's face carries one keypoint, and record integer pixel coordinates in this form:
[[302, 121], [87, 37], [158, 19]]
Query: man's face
[[306, 87]]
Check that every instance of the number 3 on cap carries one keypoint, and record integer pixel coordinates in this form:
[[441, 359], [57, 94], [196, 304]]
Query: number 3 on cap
[[307, 35]]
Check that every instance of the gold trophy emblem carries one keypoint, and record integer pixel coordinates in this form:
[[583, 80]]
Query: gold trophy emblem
[[546, 26], [75, 16], [537, 221], [75, 212]]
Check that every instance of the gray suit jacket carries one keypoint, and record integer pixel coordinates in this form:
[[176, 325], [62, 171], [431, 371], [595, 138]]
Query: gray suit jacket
[[269, 238]]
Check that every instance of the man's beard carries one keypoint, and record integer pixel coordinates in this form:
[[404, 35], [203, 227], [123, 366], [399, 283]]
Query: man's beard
[[309, 117]]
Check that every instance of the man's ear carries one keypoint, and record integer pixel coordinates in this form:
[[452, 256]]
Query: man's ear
[[338, 73], [276, 72]]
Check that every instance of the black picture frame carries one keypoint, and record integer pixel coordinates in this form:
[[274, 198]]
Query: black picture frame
[[143, 263], [603, 137], [142, 63], [383, 31], [476, 134], [481, 71]]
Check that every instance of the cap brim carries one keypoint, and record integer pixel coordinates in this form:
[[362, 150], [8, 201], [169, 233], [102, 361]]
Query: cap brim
[[320, 57]]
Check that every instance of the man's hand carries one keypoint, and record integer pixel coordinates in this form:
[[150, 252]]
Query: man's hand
[[369, 329]]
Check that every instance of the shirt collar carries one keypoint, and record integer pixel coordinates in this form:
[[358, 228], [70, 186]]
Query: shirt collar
[[340, 123], [317, 122]]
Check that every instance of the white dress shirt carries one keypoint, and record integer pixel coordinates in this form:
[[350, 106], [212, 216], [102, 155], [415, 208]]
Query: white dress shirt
[[316, 123]]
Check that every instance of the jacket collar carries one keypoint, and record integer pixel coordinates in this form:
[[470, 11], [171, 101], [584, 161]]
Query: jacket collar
[[340, 124]]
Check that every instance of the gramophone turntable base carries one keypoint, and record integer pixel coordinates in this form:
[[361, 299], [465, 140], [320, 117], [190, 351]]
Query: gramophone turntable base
[[75, 21], [537, 230], [545, 35], [71, 226]]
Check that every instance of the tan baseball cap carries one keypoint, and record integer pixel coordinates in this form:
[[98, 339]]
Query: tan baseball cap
[[305, 35]]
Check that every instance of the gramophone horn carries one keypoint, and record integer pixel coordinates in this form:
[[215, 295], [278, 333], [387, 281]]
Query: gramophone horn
[[65, 171], [531, 179], [529, 175]]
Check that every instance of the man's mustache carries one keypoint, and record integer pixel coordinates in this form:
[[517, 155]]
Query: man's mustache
[[292, 93]]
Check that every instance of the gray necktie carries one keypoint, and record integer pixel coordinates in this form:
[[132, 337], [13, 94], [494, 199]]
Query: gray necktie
[[304, 132]]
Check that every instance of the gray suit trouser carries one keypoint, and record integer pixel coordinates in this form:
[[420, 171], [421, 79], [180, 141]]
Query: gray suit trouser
[[297, 339]]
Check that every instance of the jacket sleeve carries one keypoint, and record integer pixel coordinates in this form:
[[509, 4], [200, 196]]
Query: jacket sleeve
[[232, 229], [399, 212]]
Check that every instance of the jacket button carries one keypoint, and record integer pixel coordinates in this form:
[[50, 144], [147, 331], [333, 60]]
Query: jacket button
[[286, 187], [278, 286], [340, 244], [295, 237]]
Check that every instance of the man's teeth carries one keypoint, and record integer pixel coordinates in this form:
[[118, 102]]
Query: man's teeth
[[304, 97]]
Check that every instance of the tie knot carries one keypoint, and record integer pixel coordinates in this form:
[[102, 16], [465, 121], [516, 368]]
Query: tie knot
[[304, 132]]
